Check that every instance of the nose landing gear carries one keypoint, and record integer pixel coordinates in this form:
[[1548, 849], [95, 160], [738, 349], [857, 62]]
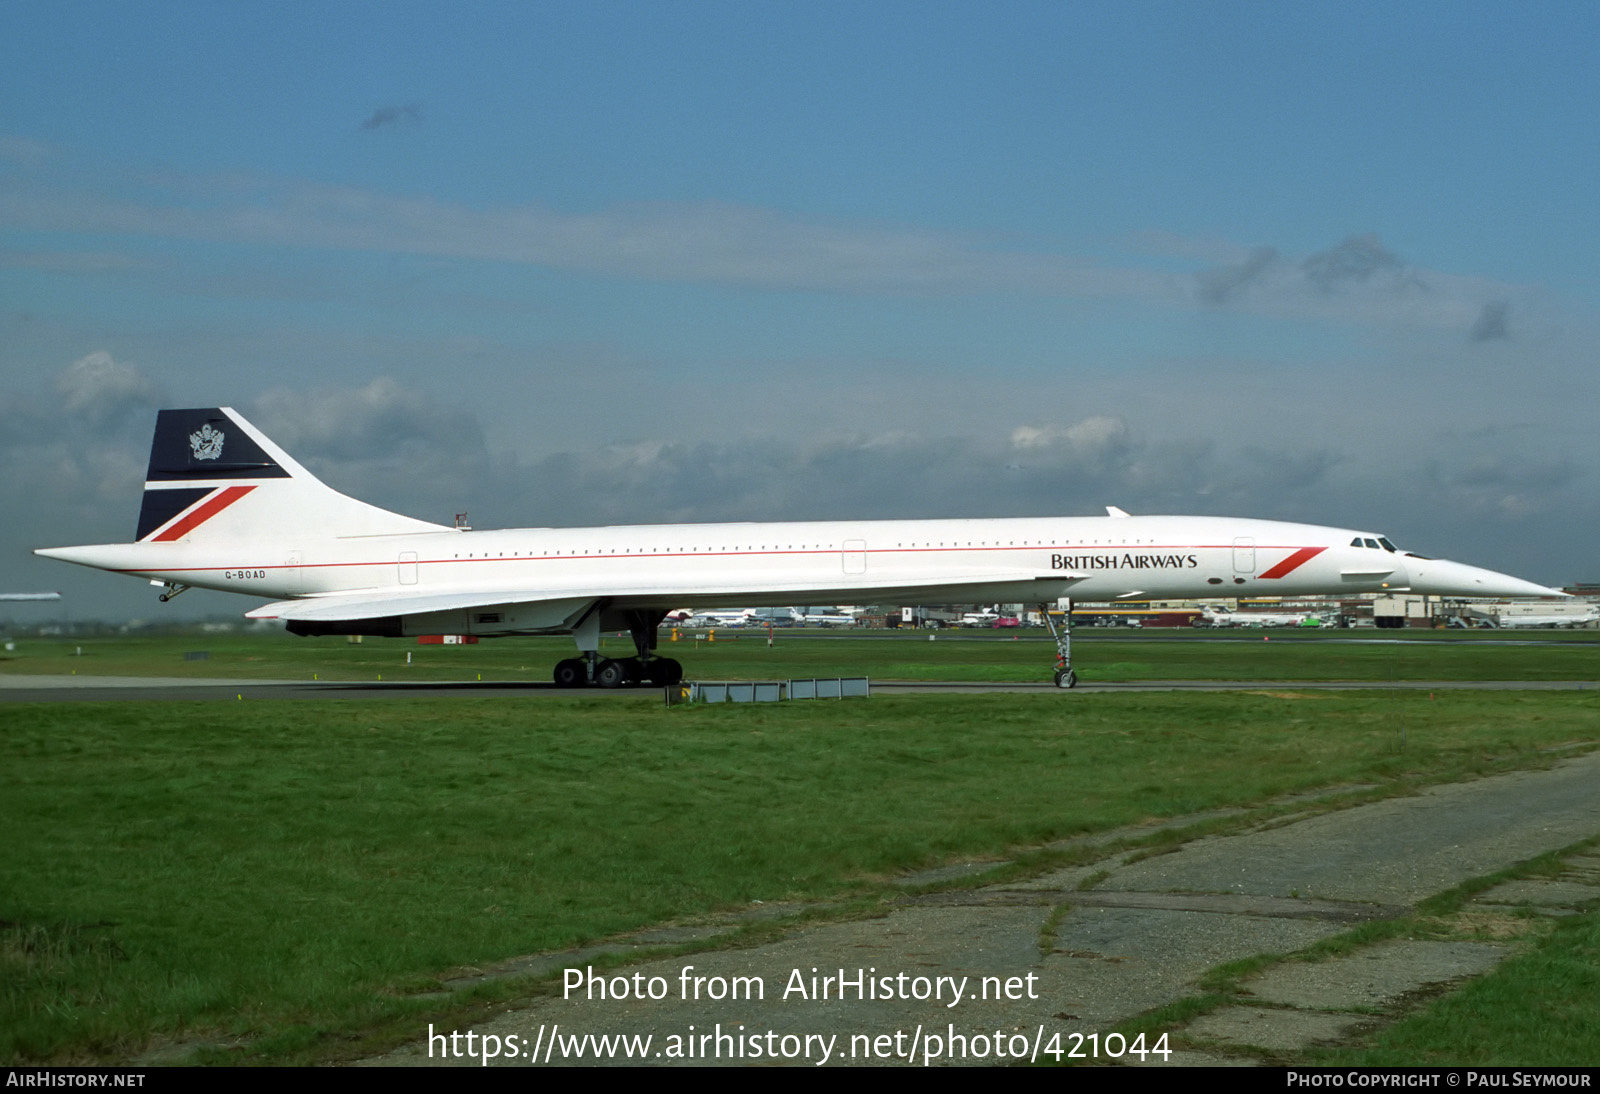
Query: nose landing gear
[[1064, 676]]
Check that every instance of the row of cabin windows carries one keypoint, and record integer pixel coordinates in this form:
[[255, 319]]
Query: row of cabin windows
[[642, 551], [834, 547]]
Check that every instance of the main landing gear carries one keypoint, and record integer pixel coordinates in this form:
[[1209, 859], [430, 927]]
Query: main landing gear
[[592, 670], [1064, 677]]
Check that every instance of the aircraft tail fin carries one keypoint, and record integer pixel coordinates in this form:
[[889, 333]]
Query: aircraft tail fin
[[214, 475]]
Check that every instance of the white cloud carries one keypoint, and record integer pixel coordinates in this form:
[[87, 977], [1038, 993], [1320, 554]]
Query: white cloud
[[100, 389], [72, 261], [1356, 281], [381, 442], [74, 467], [1091, 435]]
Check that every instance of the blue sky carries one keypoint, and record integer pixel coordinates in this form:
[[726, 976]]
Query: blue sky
[[573, 263]]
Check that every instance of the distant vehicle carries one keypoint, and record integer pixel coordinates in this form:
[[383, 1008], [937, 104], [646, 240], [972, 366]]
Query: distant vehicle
[[926, 618]]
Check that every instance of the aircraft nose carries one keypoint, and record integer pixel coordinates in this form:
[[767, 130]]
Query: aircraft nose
[[1442, 577]]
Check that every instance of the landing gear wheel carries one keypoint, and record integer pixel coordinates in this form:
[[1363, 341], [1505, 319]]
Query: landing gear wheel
[[570, 674], [1065, 677], [666, 672], [611, 674]]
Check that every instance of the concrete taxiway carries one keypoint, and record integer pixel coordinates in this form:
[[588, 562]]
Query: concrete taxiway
[[996, 974]]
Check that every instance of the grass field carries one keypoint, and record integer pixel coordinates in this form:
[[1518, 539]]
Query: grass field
[[291, 879], [1099, 655], [1538, 1009]]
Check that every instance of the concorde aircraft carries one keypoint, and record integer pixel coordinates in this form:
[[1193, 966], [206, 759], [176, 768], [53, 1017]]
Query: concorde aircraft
[[226, 508]]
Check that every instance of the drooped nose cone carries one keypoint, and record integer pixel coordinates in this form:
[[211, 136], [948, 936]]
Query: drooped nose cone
[[1441, 577]]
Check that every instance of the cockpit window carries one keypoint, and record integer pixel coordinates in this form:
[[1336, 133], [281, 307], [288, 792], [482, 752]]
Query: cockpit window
[[1370, 543], [1387, 546], [1356, 542]]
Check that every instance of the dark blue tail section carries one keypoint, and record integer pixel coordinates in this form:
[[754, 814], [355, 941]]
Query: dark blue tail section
[[202, 450], [207, 445], [214, 476]]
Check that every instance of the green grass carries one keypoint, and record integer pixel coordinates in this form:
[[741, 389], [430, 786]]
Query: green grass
[[284, 876], [1533, 1010], [1100, 656], [1537, 1010]]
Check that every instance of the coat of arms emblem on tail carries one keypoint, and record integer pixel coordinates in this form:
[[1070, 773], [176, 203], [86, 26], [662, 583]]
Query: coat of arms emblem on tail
[[206, 442]]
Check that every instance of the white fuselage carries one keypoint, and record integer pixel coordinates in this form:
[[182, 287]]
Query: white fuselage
[[711, 565]]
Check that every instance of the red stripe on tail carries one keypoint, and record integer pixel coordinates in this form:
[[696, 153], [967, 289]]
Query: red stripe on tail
[[203, 512]]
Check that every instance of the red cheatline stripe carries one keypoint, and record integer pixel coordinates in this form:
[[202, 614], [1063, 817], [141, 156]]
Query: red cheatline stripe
[[203, 512], [1294, 561]]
